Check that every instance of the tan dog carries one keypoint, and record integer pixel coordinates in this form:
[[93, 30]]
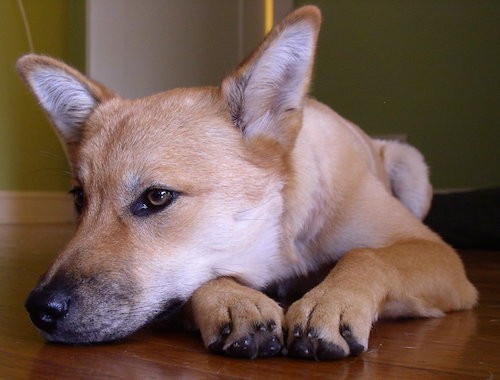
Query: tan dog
[[213, 195]]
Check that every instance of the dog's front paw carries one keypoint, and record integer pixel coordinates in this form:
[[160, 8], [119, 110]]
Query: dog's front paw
[[325, 326], [238, 321], [258, 341]]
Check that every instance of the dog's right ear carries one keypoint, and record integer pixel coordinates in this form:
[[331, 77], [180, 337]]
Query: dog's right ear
[[66, 95]]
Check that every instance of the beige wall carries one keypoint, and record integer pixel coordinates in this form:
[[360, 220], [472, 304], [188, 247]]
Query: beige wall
[[143, 47]]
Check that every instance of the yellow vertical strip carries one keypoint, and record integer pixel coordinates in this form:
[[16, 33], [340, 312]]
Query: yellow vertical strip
[[268, 15]]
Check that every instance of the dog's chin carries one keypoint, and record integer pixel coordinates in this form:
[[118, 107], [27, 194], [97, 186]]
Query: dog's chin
[[116, 333], [84, 338]]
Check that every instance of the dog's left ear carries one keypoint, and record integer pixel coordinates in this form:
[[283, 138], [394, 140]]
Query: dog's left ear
[[265, 94]]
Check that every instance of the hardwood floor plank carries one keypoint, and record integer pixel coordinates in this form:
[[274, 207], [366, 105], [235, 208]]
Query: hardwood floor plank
[[461, 345]]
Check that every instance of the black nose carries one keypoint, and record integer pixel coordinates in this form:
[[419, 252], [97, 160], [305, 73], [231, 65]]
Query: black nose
[[47, 307]]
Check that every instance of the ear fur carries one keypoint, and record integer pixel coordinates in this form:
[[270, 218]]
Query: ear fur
[[270, 86], [66, 95]]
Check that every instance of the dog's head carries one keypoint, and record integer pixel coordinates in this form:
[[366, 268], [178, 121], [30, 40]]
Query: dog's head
[[171, 190]]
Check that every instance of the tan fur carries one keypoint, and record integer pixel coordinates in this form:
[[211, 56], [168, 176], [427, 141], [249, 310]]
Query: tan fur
[[238, 307], [271, 185]]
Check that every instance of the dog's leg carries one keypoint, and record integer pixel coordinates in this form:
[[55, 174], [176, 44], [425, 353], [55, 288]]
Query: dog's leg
[[415, 278], [236, 320]]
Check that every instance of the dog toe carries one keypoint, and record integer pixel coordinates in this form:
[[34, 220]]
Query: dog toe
[[270, 347], [329, 351], [218, 346], [245, 347], [268, 339], [262, 341], [355, 347], [309, 346], [301, 347]]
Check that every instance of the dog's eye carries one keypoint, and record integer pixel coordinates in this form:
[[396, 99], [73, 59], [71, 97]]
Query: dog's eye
[[152, 201], [78, 198], [158, 197]]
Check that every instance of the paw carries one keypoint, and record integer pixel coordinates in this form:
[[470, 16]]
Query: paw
[[238, 321], [259, 341], [327, 327]]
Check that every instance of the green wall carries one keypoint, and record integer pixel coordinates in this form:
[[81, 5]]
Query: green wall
[[30, 156], [429, 69]]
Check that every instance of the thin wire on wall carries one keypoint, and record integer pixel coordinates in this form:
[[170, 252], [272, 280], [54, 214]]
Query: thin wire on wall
[[26, 25]]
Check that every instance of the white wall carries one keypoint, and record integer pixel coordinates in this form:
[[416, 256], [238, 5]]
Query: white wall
[[143, 47]]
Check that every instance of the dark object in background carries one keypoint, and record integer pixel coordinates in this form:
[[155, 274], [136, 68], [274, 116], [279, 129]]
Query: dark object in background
[[469, 219]]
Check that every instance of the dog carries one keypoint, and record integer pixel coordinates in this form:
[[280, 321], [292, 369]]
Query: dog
[[205, 202]]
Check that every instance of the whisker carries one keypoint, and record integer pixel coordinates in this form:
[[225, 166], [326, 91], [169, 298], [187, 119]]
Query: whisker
[[254, 207]]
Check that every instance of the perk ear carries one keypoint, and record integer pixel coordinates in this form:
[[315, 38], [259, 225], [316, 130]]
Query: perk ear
[[266, 93], [66, 95]]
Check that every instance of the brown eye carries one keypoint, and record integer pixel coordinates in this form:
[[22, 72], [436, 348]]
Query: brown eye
[[158, 197], [152, 201]]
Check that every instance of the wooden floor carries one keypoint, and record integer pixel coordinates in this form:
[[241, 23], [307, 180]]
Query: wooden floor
[[461, 345]]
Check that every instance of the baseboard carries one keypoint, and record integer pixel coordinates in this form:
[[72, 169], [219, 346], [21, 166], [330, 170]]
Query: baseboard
[[35, 207], [454, 190]]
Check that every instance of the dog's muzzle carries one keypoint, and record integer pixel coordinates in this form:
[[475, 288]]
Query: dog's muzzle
[[82, 311], [92, 309]]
